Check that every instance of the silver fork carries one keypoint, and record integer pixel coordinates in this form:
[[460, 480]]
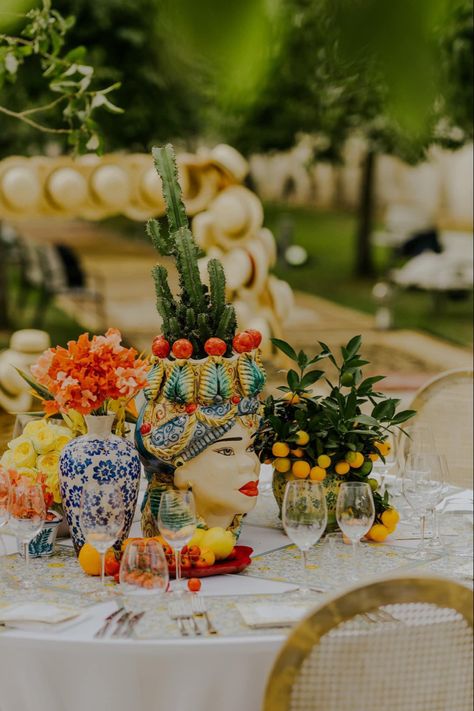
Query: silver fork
[[108, 622], [200, 610], [121, 624], [178, 612], [131, 623]]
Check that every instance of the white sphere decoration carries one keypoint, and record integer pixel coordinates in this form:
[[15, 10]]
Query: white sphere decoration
[[21, 187], [150, 186], [68, 188], [111, 185]]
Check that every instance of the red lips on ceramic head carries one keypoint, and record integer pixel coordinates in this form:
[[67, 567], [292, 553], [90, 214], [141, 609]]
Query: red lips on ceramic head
[[250, 488]]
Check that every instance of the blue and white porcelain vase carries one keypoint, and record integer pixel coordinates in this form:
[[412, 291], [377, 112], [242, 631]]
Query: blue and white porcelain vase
[[102, 457], [42, 545]]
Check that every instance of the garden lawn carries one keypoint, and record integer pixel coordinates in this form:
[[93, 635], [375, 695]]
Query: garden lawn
[[329, 239]]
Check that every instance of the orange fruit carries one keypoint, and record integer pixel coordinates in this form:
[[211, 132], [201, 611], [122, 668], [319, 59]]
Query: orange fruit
[[355, 459], [282, 464], [317, 474], [297, 452], [373, 483], [374, 457], [324, 461], [280, 449], [342, 468], [390, 518], [378, 533], [301, 469], [292, 398], [194, 584], [383, 447], [89, 560], [302, 438]]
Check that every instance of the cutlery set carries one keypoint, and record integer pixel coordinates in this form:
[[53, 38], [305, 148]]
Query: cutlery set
[[119, 624], [187, 614]]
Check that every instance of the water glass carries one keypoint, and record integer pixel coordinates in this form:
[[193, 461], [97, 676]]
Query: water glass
[[102, 517], [27, 517], [423, 488], [355, 513], [177, 523], [144, 570], [304, 518]]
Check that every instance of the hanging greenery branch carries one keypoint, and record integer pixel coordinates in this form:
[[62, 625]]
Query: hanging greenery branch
[[68, 76]]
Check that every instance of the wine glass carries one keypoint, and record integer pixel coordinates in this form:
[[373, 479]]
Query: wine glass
[[423, 486], [144, 570], [304, 516], [435, 542], [102, 517], [384, 468], [5, 493], [355, 513], [177, 523], [27, 517]]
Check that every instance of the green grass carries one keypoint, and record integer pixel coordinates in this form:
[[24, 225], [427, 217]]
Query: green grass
[[329, 273]]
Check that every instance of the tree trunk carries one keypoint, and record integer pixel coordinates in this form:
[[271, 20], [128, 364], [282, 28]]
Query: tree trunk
[[364, 265]]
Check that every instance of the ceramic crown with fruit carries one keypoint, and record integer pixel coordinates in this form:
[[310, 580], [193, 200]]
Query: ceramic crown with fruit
[[202, 396], [330, 438]]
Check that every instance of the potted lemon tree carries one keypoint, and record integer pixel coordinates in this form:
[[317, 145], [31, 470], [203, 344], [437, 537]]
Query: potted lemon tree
[[332, 438]]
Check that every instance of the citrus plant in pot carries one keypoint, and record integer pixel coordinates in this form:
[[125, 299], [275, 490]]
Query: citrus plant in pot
[[334, 437]]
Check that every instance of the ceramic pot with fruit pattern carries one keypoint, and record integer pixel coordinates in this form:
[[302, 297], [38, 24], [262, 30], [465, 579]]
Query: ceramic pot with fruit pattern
[[195, 431]]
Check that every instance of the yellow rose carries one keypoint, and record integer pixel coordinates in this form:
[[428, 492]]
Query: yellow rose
[[43, 441], [52, 482], [23, 452], [61, 440], [48, 463], [32, 428], [7, 460]]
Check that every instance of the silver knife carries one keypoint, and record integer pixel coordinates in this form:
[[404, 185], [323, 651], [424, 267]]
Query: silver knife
[[132, 622], [107, 622]]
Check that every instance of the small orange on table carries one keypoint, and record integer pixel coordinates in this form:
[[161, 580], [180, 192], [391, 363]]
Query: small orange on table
[[378, 533], [194, 584], [89, 559], [390, 518]]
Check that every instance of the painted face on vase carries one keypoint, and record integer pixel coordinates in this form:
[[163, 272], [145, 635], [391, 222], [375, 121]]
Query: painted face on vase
[[223, 478]]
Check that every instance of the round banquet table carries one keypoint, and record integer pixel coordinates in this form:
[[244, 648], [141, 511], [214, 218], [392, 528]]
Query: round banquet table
[[68, 670]]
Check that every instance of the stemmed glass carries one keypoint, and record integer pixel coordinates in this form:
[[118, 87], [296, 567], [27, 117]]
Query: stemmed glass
[[102, 517], [27, 517], [355, 513], [304, 516], [144, 570], [423, 486], [177, 523], [435, 542], [5, 492], [383, 468]]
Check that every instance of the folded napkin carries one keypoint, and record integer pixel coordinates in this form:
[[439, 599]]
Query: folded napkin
[[261, 615], [36, 615]]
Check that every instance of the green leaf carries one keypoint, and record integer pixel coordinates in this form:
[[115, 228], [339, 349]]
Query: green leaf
[[353, 346], [312, 377], [285, 348], [292, 379], [42, 391], [403, 416]]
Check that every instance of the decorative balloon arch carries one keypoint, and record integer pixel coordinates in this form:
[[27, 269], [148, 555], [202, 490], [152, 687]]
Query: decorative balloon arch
[[227, 217]]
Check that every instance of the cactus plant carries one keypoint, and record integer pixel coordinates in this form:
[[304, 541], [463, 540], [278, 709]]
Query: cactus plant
[[197, 313]]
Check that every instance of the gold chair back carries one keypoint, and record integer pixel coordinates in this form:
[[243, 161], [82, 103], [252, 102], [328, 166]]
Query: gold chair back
[[445, 405], [395, 645]]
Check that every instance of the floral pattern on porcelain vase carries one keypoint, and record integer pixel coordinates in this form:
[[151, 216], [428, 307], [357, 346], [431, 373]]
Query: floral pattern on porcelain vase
[[103, 457]]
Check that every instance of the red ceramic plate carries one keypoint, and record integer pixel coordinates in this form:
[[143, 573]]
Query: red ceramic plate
[[239, 562]]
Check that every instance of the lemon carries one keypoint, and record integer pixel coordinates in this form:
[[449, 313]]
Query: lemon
[[219, 541], [324, 461], [301, 469], [280, 449], [196, 540], [302, 438], [282, 464], [317, 474]]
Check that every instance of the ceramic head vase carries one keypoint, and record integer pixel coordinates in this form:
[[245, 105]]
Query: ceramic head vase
[[202, 399]]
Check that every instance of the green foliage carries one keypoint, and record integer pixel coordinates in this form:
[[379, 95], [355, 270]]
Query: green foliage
[[67, 79], [198, 314], [335, 423]]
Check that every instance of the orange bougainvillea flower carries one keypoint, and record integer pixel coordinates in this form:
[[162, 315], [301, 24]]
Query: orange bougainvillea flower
[[90, 372]]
